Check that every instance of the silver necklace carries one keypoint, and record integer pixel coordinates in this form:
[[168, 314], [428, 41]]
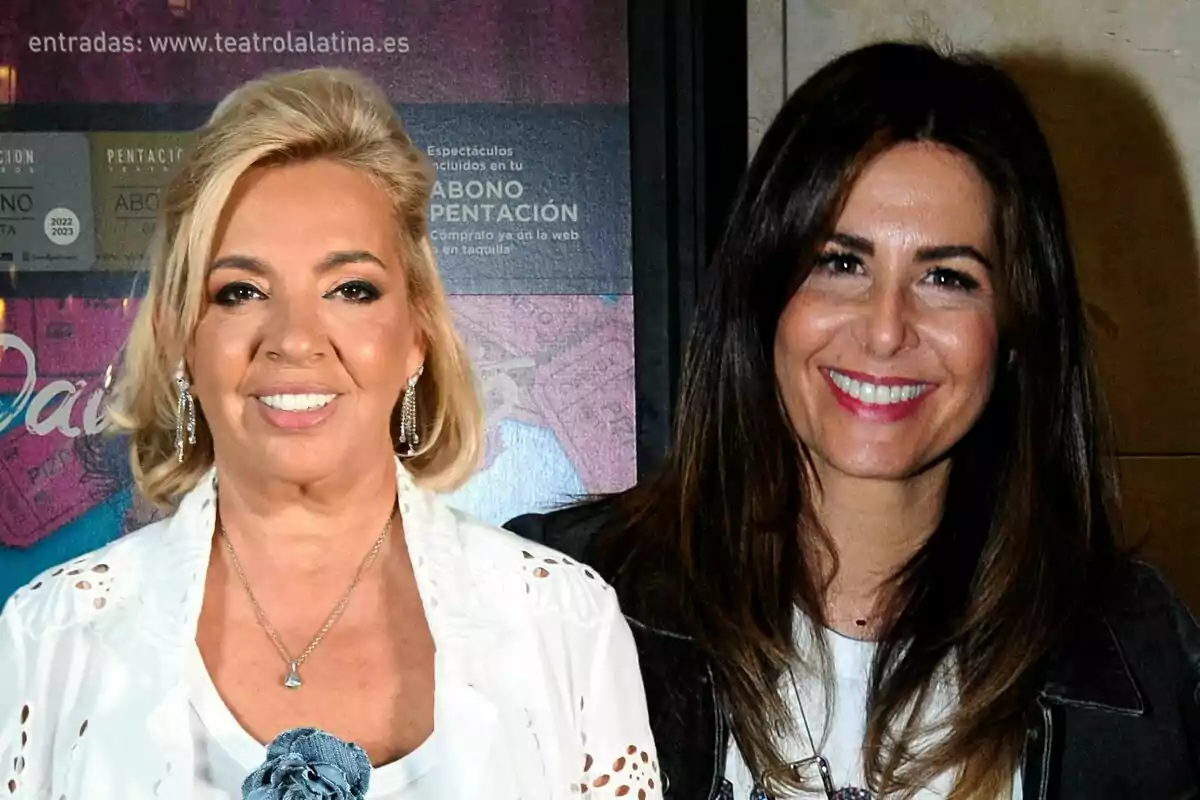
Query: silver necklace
[[759, 791], [292, 679]]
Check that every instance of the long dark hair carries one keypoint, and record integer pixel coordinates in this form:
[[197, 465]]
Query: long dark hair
[[723, 538]]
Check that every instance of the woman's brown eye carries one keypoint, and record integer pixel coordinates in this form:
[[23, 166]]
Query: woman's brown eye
[[357, 292], [952, 279], [236, 294], [838, 263]]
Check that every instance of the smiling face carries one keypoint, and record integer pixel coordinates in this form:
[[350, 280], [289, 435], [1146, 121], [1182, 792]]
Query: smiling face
[[307, 337], [885, 356]]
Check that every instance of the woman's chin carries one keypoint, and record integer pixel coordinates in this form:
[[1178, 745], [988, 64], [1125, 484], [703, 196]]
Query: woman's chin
[[875, 464], [306, 465]]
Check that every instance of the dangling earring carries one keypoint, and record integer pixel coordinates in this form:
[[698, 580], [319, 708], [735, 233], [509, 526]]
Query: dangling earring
[[408, 414], [185, 413]]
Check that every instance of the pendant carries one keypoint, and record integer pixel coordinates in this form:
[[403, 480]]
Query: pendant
[[292, 681]]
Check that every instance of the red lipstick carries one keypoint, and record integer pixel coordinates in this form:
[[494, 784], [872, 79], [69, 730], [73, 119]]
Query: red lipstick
[[876, 412]]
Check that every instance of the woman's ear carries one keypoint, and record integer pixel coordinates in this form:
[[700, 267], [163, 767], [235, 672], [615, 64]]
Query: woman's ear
[[416, 354]]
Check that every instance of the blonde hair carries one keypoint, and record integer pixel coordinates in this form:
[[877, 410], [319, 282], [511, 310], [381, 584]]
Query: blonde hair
[[281, 119]]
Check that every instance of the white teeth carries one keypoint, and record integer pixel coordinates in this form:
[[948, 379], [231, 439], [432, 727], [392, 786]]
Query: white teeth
[[874, 393], [297, 402]]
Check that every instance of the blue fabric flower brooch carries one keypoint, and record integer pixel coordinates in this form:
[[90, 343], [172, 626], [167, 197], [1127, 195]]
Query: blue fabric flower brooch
[[309, 764]]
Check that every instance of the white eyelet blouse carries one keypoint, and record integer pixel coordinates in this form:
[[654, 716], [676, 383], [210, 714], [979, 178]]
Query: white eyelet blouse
[[540, 696]]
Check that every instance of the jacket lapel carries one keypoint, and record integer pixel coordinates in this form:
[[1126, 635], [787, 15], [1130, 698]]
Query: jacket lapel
[[138, 695], [477, 651]]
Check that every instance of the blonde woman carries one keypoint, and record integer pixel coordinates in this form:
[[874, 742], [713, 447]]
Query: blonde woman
[[308, 582]]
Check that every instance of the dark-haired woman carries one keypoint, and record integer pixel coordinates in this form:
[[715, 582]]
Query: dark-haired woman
[[880, 558]]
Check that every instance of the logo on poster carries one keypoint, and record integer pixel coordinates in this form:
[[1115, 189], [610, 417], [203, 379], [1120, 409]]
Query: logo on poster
[[51, 408], [17, 157], [143, 156], [61, 226]]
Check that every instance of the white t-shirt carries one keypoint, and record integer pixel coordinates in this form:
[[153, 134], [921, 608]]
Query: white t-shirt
[[848, 729], [225, 753]]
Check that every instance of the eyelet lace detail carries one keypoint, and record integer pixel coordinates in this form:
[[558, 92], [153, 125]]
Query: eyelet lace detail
[[18, 763], [556, 584], [539, 568], [633, 774], [76, 590]]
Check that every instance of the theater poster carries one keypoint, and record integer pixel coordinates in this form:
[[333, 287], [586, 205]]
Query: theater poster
[[521, 104]]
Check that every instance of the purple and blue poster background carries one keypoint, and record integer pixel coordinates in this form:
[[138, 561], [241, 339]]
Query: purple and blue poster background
[[521, 105]]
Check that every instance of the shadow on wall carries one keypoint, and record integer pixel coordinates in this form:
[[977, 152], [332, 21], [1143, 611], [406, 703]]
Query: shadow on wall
[[1130, 216]]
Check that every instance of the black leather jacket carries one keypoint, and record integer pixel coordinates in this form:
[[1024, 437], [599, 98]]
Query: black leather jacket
[[1118, 712]]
